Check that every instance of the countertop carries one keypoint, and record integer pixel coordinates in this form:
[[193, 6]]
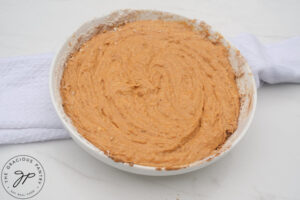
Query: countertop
[[265, 165]]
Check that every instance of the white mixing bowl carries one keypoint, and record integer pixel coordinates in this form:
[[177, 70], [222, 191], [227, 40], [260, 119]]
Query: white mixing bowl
[[245, 82]]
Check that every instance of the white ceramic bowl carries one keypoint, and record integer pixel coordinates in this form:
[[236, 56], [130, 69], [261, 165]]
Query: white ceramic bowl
[[245, 82]]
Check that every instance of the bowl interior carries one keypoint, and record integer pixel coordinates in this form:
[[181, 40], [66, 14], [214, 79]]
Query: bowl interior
[[245, 82]]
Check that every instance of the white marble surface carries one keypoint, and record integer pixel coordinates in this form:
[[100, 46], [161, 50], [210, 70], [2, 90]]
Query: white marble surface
[[264, 165]]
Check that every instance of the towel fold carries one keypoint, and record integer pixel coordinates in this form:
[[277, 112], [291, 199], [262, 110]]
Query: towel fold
[[27, 114], [273, 63]]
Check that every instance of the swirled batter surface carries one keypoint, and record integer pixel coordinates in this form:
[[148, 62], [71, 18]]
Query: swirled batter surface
[[152, 93]]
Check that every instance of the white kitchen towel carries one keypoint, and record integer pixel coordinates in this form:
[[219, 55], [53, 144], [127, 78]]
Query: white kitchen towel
[[27, 115], [26, 111], [273, 63]]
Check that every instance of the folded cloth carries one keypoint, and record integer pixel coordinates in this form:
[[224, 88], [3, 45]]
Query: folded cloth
[[27, 114], [26, 111], [273, 63]]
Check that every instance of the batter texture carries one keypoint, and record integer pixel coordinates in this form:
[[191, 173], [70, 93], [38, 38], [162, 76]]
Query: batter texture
[[152, 93]]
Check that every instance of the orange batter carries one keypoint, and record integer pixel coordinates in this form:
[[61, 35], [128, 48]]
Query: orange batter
[[153, 93]]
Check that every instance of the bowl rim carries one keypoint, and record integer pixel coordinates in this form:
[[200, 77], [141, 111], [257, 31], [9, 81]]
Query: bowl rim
[[136, 168]]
